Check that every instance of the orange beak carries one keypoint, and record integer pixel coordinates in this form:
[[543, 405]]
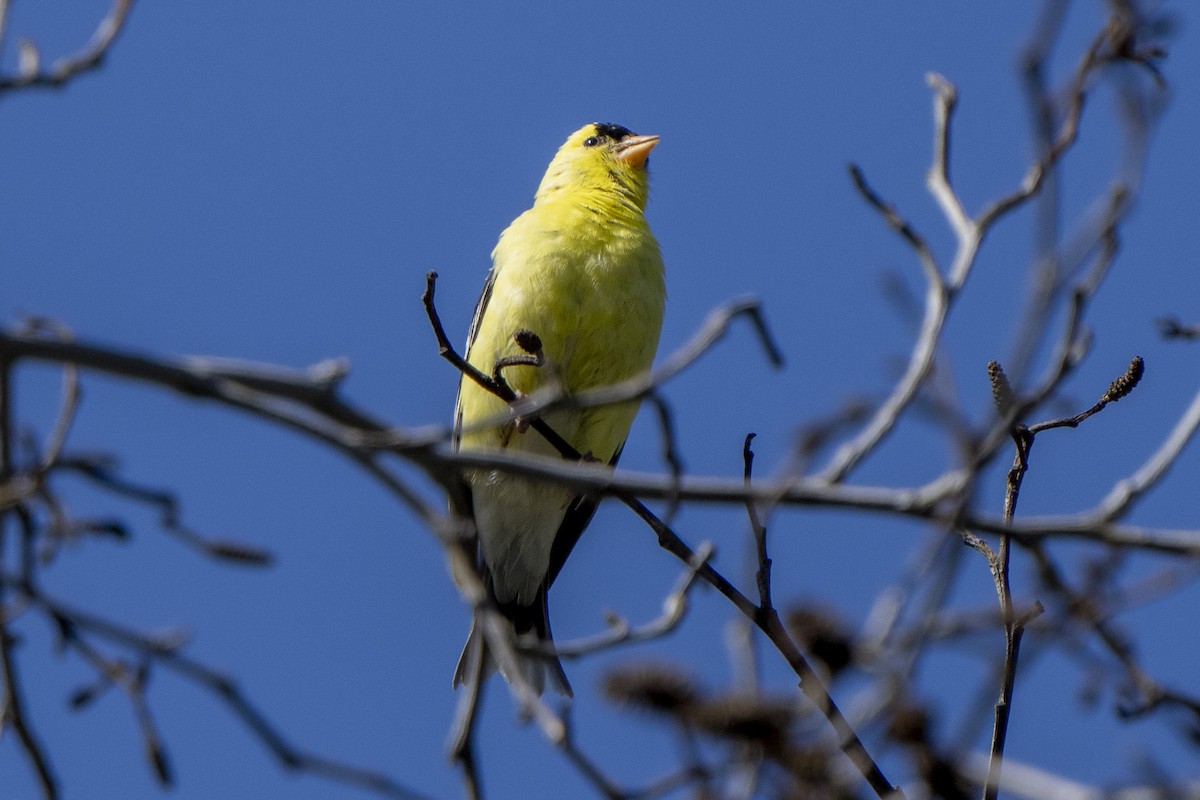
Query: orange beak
[[634, 150]]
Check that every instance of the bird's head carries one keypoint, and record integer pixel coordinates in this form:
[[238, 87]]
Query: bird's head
[[601, 157]]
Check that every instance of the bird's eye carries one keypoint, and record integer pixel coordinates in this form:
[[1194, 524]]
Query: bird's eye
[[591, 141]]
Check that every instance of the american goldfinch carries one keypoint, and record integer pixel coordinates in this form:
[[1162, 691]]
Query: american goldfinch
[[581, 271]]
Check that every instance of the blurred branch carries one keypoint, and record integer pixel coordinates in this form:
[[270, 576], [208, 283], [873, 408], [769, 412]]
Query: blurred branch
[[13, 712], [30, 73], [74, 623], [1023, 780], [304, 400], [24, 484], [1112, 43], [1085, 606], [934, 501], [98, 469], [1172, 328], [1127, 491], [674, 607], [294, 402], [501, 647]]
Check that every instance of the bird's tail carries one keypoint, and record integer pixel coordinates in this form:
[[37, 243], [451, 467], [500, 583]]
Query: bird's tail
[[530, 628]]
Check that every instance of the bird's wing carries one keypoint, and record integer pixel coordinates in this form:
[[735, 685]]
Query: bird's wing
[[578, 515], [476, 319], [583, 506]]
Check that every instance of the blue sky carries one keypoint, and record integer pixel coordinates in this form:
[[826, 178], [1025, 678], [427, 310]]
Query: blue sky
[[245, 181]]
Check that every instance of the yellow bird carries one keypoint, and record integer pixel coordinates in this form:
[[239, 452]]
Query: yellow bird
[[581, 270]]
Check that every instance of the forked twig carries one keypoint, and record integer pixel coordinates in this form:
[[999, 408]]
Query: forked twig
[[998, 561]]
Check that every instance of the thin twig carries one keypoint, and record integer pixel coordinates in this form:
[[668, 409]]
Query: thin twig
[[89, 58], [898, 223], [938, 295], [99, 472], [1172, 328], [167, 653], [13, 712], [674, 608], [1014, 627], [589, 769], [762, 576], [670, 454], [969, 233]]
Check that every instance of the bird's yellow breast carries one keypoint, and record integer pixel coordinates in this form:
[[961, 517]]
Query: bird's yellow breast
[[583, 273]]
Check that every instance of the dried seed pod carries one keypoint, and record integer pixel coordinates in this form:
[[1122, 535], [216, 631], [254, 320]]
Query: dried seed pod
[[1002, 394], [748, 718], [823, 636], [1124, 384], [528, 341], [656, 687]]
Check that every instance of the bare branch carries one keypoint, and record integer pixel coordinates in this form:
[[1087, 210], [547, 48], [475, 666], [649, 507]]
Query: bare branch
[[14, 714], [64, 69], [1172, 328], [899, 224], [674, 608], [165, 651], [945, 98]]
